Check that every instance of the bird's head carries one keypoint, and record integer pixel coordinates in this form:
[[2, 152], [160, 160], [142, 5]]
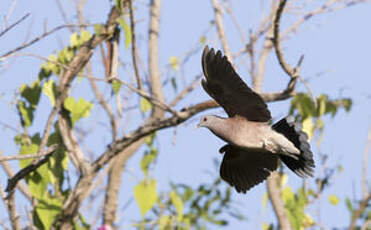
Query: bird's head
[[207, 121]]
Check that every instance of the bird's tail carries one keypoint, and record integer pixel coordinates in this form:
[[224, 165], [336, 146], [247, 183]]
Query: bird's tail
[[304, 165]]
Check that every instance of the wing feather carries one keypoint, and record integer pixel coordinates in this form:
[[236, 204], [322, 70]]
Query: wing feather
[[244, 169], [224, 85]]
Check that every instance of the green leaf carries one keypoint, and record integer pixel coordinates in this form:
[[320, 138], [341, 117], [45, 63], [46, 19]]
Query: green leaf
[[178, 204], [98, 29], [78, 109], [31, 93], [74, 40], [267, 226], [127, 31], [284, 179], [66, 55], [187, 194], [116, 86], [349, 205], [202, 40], [118, 4], [47, 211], [163, 222], [26, 113], [145, 105], [174, 63], [52, 64], [45, 72], [85, 36], [147, 159], [173, 83], [145, 194], [308, 127], [25, 150], [50, 90]]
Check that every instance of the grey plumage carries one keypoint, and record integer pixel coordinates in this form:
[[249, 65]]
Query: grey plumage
[[254, 147]]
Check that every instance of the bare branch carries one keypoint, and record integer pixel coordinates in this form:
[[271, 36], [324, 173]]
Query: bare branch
[[154, 71], [21, 186], [155, 101], [105, 106], [13, 216], [22, 157], [186, 90], [14, 24], [358, 212], [277, 203], [292, 72], [134, 53], [220, 29], [12, 182], [365, 191], [33, 41]]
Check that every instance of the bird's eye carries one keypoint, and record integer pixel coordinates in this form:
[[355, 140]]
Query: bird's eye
[[205, 119]]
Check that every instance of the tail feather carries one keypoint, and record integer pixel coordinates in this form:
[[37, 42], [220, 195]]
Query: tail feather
[[304, 165]]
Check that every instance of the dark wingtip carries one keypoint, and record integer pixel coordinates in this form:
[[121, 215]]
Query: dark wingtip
[[304, 166]]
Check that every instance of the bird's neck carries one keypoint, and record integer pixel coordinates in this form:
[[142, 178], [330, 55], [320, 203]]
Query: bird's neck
[[222, 129]]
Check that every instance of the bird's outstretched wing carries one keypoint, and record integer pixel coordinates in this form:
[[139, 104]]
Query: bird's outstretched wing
[[243, 170], [227, 88]]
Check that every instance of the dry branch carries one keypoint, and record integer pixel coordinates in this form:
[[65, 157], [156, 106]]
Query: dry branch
[[220, 29], [12, 182]]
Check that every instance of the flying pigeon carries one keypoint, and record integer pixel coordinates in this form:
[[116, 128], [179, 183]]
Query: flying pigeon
[[253, 147]]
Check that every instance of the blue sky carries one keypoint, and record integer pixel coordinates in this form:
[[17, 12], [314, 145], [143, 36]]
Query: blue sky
[[337, 53]]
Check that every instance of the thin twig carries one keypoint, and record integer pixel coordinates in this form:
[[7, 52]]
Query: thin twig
[[220, 29], [277, 44], [365, 191], [14, 24], [150, 98], [33, 41], [134, 48], [22, 157], [195, 83], [104, 104]]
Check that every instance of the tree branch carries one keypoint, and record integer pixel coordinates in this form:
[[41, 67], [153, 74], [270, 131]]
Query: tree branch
[[134, 48], [220, 29], [274, 195], [12, 182]]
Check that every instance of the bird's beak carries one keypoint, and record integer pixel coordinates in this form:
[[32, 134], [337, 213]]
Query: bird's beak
[[197, 126]]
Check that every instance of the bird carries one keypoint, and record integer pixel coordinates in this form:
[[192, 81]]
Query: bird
[[253, 147]]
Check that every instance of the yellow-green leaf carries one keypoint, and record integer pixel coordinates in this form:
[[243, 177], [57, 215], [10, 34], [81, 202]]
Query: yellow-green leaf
[[163, 222], [174, 63], [50, 90], [203, 40], [25, 150], [333, 199], [284, 179], [47, 211], [116, 86], [178, 204], [145, 105], [127, 31], [98, 28], [85, 36], [308, 221], [74, 40], [26, 113], [78, 109], [145, 194], [308, 127]]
